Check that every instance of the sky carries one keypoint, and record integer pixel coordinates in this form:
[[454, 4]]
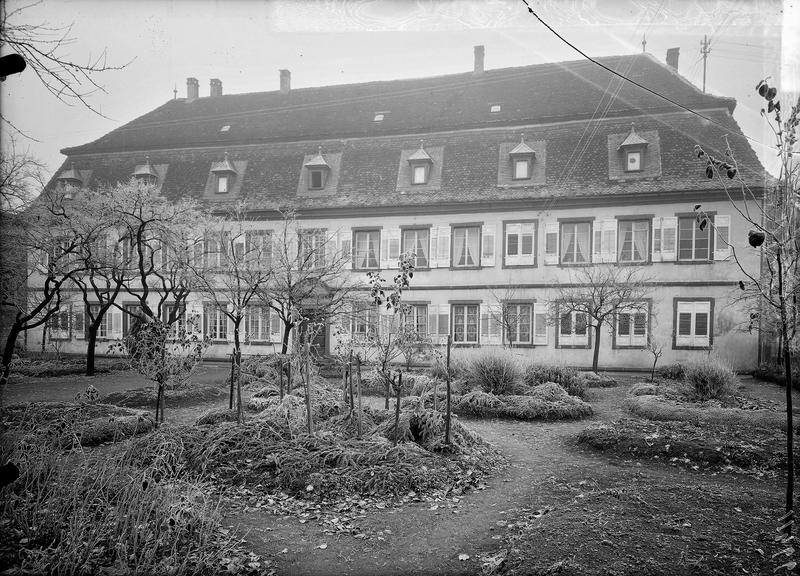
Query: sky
[[245, 43]]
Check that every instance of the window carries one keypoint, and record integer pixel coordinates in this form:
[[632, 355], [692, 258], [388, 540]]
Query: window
[[316, 180], [420, 174], [465, 323], [216, 323], [417, 241], [466, 246], [60, 324], [575, 238], [416, 319], [693, 319], [367, 243], [178, 328], [494, 108], [105, 328], [520, 244], [257, 248], [522, 169], [312, 249], [222, 183], [60, 251], [694, 245], [633, 161], [518, 322], [213, 252], [130, 318], [633, 240], [225, 128], [257, 323], [379, 116], [632, 326], [364, 321], [573, 329]]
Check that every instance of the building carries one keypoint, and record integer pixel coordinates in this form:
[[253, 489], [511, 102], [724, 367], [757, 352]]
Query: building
[[505, 182]]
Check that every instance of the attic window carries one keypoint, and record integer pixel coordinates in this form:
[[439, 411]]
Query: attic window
[[379, 116], [70, 181], [420, 163], [521, 157], [225, 128], [145, 174], [494, 108], [224, 175], [633, 150], [318, 169]]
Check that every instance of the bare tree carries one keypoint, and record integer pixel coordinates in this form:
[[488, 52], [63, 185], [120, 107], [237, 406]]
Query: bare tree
[[52, 248], [308, 282], [21, 177], [237, 267], [44, 49], [773, 289], [596, 294]]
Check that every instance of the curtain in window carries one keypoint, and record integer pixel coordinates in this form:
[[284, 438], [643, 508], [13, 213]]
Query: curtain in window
[[372, 250], [640, 241], [568, 242], [582, 234], [421, 249], [459, 246]]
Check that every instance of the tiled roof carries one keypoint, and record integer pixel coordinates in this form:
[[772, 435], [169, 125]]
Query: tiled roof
[[521, 149], [367, 172], [535, 94], [633, 139]]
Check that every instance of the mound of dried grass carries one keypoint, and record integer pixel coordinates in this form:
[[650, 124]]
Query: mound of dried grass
[[216, 416], [523, 407], [663, 409], [146, 397], [549, 391]]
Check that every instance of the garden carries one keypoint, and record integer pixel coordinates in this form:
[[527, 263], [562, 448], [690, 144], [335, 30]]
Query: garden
[[318, 476]]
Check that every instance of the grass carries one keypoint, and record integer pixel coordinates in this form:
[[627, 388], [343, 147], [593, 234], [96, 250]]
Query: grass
[[146, 397], [711, 379], [52, 368]]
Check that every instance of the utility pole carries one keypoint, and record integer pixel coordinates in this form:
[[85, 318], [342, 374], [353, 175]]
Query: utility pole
[[704, 50]]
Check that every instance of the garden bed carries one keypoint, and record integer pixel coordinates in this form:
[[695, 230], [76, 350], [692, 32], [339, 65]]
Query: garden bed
[[544, 402], [707, 446], [73, 424], [146, 397]]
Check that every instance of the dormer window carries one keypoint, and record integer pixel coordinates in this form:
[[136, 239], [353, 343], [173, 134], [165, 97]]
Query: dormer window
[[70, 181], [420, 163], [633, 149], [318, 169], [224, 175], [521, 157], [145, 174]]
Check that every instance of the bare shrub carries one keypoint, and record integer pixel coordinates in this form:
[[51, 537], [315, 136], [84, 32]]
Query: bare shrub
[[712, 379], [494, 372]]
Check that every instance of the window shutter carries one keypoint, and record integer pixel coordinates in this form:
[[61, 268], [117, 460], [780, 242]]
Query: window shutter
[[116, 323], [444, 319], [551, 243], [610, 240], [433, 319], [433, 251], [344, 240], [275, 325], [443, 247], [484, 326], [539, 323], [722, 248], [79, 322], [669, 232], [528, 229], [597, 241], [494, 328], [487, 245], [384, 255], [394, 247], [656, 242]]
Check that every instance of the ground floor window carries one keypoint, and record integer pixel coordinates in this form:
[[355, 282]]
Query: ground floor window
[[216, 323], [631, 328], [693, 323], [573, 329], [416, 319], [60, 323], [465, 323], [257, 323], [364, 321], [105, 328], [517, 321]]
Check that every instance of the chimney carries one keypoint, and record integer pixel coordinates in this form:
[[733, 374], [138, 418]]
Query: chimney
[[672, 58], [478, 60], [286, 81], [192, 89], [216, 87]]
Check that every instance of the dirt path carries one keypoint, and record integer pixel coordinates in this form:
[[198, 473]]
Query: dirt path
[[547, 470]]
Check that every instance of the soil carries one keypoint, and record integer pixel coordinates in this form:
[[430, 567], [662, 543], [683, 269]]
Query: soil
[[558, 508]]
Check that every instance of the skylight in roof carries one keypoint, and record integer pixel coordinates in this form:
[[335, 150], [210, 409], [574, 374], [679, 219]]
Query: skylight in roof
[[494, 107], [379, 116], [225, 128]]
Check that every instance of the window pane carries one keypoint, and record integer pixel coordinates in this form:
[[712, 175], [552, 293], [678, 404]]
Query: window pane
[[512, 244], [521, 169], [701, 324], [422, 249], [582, 234], [419, 174], [639, 324], [472, 323], [626, 241], [222, 184], [527, 244], [702, 243], [473, 245], [624, 324], [568, 242], [685, 238], [316, 178], [580, 323], [684, 324], [566, 324]]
